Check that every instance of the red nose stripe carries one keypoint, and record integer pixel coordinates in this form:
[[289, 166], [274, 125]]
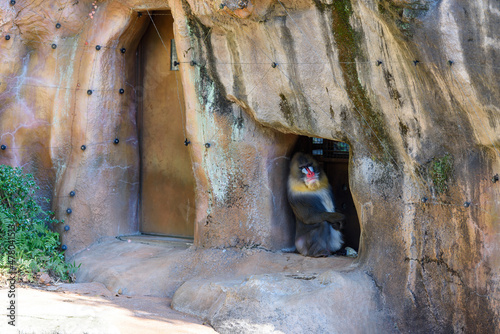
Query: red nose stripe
[[310, 173]]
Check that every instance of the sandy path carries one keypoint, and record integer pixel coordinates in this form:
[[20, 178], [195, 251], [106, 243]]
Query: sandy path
[[85, 310]]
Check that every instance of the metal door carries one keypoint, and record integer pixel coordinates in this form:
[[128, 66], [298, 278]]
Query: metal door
[[167, 182]]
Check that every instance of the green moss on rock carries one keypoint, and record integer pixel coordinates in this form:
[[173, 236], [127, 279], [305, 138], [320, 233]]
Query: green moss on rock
[[211, 91], [286, 110], [403, 14], [440, 172], [348, 44]]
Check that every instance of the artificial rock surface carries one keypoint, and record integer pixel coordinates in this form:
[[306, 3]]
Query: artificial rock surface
[[241, 290], [286, 303], [411, 85]]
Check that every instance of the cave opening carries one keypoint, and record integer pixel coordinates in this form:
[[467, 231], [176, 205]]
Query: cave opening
[[167, 185], [334, 158]]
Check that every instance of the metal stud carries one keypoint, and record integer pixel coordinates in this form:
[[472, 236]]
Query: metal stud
[[466, 204], [58, 25], [7, 37], [424, 199], [12, 2], [116, 141], [89, 92], [273, 65], [379, 62], [98, 47], [122, 90], [83, 147], [123, 50], [72, 193], [207, 145], [66, 228], [3, 147], [54, 46], [64, 247], [186, 142], [68, 211]]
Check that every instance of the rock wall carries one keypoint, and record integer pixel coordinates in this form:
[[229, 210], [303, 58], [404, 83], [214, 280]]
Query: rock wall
[[411, 85]]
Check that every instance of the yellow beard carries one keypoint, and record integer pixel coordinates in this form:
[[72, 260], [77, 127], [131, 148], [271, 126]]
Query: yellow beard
[[313, 185], [302, 187]]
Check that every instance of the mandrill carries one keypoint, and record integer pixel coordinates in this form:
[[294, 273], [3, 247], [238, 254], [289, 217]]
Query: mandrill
[[310, 195]]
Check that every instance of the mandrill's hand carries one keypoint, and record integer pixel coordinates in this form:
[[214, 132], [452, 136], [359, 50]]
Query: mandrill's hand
[[336, 219], [338, 225], [309, 218]]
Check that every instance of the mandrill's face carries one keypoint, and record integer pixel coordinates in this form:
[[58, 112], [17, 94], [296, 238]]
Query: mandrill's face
[[305, 174], [310, 176]]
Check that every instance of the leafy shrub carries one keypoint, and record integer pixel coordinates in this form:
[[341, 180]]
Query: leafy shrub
[[26, 225]]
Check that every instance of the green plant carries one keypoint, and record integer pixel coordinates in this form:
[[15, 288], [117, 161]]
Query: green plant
[[440, 172], [27, 226]]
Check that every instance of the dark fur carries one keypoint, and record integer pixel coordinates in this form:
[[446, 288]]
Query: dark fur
[[317, 230]]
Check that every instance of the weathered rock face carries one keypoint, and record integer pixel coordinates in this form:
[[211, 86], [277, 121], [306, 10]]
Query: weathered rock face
[[411, 85], [285, 304]]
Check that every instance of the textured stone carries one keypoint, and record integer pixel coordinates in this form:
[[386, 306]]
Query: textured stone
[[92, 289], [240, 291], [285, 303], [44, 278]]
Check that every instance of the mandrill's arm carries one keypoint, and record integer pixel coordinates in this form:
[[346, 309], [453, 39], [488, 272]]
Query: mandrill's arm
[[310, 210]]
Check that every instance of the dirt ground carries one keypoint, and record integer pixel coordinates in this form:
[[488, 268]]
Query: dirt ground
[[91, 308]]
